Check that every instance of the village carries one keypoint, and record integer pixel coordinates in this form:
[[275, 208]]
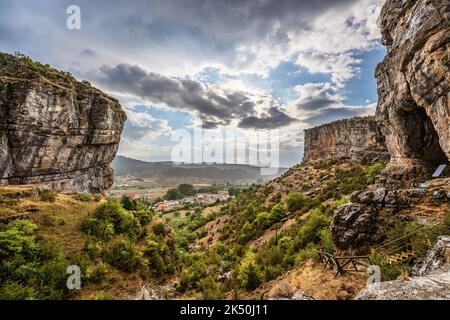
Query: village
[[199, 199]]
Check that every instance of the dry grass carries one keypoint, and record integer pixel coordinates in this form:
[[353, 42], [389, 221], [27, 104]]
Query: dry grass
[[319, 284]]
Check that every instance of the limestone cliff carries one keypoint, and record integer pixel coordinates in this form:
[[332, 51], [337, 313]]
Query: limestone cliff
[[359, 139], [55, 130], [413, 86]]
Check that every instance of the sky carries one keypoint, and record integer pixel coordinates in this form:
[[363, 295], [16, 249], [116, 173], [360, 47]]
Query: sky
[[246, 65]]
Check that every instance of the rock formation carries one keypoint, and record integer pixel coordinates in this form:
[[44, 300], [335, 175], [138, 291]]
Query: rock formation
[[413, 86], [430, 282], [358, 139], [55, 130]]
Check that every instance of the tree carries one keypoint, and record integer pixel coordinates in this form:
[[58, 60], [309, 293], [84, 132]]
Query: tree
[[187, 189], [173, 194], [278, 212], [249, 272], [264, 220]]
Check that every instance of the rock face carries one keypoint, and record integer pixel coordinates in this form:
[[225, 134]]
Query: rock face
[[55, 130], [413, 86], [358, 222], [431, 279], [359, 139]]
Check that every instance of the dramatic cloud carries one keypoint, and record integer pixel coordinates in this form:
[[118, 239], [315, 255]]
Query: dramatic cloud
[[215, 106], [275, 119]]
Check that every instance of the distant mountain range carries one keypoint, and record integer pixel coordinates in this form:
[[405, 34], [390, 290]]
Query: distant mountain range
[[194, 173]]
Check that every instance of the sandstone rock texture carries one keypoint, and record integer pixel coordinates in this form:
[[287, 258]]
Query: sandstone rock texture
[[55, 130], [431, 279], [413, 86], [358, 139]]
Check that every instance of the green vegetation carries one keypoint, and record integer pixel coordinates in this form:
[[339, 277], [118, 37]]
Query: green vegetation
[[47, 195], [29, 268]]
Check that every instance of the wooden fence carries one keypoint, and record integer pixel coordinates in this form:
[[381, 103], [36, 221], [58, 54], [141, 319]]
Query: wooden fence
[[345, 263]]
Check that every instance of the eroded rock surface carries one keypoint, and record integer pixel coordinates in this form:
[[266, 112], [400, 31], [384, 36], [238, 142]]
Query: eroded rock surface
[[55, 130], [358, 139], [413, 87], [360, 222]]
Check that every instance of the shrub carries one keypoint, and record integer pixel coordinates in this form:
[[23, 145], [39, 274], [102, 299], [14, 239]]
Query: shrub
[[249, 272], [30, 269], [123, 255], [97, 197], [278, 212], [309, 232], [326, 240], [294, 201], [309, 252], [127, 203], [264, 220], [210, 289], [98, 273], [47, 195], [159, 229], [372, 171], [99, 228], [84, 197], [111, 218]]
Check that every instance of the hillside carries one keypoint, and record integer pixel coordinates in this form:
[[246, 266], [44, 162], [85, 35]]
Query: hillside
[[169, 172], [262, 243]]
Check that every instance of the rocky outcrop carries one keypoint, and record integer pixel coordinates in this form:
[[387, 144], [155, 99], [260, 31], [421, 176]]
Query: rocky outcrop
[[358, 222], [362, 221], [413, 87], [358, 139], [430, 281], [55, 130]]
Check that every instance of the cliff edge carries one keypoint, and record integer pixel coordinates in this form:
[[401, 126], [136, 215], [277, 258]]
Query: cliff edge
[[358, 139], [55, 130]]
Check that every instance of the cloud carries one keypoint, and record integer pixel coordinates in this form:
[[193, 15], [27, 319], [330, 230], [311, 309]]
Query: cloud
[[141, 125], [275, 119], [333, 114], [314, 97], [342, 67], [214, 105]]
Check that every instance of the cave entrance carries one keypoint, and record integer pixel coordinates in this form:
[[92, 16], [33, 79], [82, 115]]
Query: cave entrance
[[422, 139]]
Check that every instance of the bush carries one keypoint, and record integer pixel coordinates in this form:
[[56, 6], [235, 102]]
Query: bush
[[309, 232], [372, 171], [310, 252], [47, 195], [123, 255], [210, 289], [278, 212], [30, 269], [111, 218], [159, 229], [83, 197], [264, 220], [326, 240], [249, 272], [127, 203], [294, 201]]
